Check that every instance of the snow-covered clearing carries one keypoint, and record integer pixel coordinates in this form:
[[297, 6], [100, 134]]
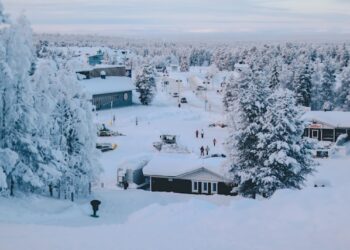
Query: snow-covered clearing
[[313, 218]]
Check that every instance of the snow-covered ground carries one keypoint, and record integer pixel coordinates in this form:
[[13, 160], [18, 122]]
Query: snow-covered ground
[[313, 218]]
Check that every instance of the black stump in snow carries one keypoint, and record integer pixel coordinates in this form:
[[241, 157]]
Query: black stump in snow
[[95, 204]]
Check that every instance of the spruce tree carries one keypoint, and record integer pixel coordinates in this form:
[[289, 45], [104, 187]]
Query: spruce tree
[[146, 84], [274, 78], [287, 157], [328, 84], [302, 86], [245, 153], [184, 64], [343, 97]]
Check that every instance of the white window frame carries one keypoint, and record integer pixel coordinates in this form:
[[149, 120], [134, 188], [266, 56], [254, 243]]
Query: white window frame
[[126, 96], [205, 191], [193, 189], [216, 191]]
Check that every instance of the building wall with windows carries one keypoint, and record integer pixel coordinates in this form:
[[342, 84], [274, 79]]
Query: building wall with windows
[[164, 184], [112, 100]]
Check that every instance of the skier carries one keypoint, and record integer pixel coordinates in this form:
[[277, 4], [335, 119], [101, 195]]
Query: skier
[[136, 121], [214, 142], [113, 119], [202, 133], [202, 151], [197, 133], [207, 150]]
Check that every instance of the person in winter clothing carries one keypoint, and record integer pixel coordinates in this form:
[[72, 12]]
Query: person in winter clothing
[[202, 133], [202, 151], [207, 150], [113, 119], [214, 142], [125, 185], [197, 133]]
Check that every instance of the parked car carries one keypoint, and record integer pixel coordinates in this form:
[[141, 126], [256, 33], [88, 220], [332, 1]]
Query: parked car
[[175, 94], [216, 156], [104, 147], [183, 100], [201, 88], [218, 124]]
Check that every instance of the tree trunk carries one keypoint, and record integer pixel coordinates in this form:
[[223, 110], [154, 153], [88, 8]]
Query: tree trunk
[[50, 190], [12, 187]]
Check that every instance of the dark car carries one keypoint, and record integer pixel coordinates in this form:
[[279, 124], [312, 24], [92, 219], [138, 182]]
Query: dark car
[[218, 155], [183, 100], [221, 125], [104, 147], [200, 88]]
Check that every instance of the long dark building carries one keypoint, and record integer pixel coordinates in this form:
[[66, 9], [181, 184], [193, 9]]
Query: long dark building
[[187, 174]]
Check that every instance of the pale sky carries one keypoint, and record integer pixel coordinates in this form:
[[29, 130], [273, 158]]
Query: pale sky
[[246, 18]]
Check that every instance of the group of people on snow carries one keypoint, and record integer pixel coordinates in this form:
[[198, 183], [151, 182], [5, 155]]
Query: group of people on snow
[[204, 150]]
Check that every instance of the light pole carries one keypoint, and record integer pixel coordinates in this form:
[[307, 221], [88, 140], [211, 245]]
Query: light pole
[[206, 83], [178, 89]]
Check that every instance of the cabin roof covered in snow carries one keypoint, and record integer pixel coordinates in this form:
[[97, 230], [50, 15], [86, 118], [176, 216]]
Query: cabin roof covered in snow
[[172, 165], [98, 66], [112, 84], [338, 119]]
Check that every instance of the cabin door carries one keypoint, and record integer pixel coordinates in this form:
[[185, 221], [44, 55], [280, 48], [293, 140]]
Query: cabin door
[[314, 134]]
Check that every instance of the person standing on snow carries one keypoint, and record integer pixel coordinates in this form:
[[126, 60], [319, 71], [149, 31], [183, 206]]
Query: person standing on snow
[[197, 133], [202, 151], [214, 142], [202, 133], [207, 150]]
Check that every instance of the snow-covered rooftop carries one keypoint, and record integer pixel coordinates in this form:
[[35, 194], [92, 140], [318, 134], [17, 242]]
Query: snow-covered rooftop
[[98, 66], [172, 165], [333, 118], [111, 84]]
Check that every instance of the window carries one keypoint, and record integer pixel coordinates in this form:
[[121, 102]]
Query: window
[[205, 187], [126, 96], [214, 188], [315, 134], [194, 186]]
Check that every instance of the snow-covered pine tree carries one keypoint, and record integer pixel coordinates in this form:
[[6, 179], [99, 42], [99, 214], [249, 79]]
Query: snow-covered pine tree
[[74, 137], [328, 84], [245, 153], [287, 156], [184, 64], [20, 117], [302, 86], [146, 84], [343, 97], [274, 77], [316, 78]]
